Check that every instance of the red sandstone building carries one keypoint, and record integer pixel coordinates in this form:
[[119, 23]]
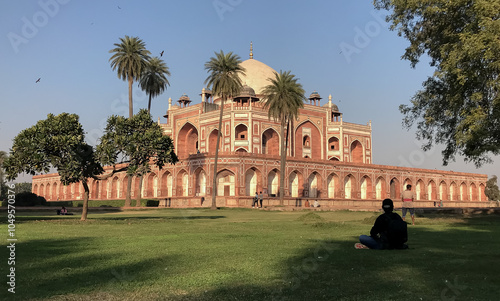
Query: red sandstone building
[[328, 159]]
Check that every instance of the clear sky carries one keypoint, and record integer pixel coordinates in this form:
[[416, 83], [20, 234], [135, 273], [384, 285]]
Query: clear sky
[[342, 48]]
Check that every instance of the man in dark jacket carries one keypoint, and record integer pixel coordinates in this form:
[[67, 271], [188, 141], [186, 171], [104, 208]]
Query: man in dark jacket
[[388, 232]]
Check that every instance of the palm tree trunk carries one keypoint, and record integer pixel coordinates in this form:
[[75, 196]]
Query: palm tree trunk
[[282, 167], [139, 193], [214, 183], [149, 104], [130, 103], [128, 199], [86, 192]]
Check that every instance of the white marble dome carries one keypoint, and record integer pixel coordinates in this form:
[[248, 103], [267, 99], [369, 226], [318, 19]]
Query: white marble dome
[[256, 75]]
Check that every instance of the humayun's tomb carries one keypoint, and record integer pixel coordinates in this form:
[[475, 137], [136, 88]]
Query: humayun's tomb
[[328, 159]]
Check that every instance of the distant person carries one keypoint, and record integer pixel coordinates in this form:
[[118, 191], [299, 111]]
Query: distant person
[[64, 211], [408, 197], [255, 202], [261, 198], [388, 232], [316, 204]]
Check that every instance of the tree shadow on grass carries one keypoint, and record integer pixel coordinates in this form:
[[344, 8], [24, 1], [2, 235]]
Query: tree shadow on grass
[[455, 263], [75, 266]]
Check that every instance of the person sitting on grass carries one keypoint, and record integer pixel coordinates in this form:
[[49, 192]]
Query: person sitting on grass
[[388, 232]]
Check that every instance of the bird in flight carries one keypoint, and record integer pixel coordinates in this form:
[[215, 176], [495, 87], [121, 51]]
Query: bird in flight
[[38, 80], [119, 7], [161, 54]]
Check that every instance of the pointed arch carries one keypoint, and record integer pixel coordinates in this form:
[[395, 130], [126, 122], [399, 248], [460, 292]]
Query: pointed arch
[[241, 150], [166, 184], [443, 191], [395, 187], [296, 184], [366, 187], [182, 183], [270, 142], [431, 191], [115, 187], [333, 144], [463, 192], [48, 192], [151, 185], [333, 185], [41, 190], [357, 152], [380, 188], [253, 181], [315, 185], [308, 140], [473, 192], [54, 191], [241, 132], [212, 141], [273, 182], [482, 196], [419, 190], [201, 182], [349, 184], [187, 140], [225, 183], [453, 192]]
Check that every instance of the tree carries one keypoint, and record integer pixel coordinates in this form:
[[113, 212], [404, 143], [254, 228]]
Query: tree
[[3, 187], [56, 142], [129, 58], [136, 142], [283, 98], [154, 79], [224, 79], [491, 191], [459, 106]]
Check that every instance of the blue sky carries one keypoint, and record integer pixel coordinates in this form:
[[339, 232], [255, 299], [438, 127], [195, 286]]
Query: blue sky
[[342, 48]]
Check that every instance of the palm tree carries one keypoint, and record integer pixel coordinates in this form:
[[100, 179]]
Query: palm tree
[[282, 98], [154, 79], [130, 58], [224, 79]]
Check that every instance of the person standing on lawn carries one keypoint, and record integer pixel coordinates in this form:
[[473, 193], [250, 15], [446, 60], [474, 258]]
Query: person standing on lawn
[[408, 197]]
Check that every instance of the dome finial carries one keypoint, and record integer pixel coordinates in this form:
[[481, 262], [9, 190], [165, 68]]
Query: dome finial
[[251, 50]]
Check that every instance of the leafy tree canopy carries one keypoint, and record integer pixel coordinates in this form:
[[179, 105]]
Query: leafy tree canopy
[[491, 190], [136, 141], [56, 142], [459, 106]]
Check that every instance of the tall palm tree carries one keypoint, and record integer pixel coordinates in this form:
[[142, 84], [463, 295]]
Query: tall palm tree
[[224, 79], [283, 98], [129, 59], [154, 82], [154, 79]]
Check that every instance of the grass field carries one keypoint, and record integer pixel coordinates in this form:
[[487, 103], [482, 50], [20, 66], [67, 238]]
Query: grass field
[[244, 254]]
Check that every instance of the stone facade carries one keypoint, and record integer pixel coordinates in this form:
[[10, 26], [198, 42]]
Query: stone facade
[[327, 159]]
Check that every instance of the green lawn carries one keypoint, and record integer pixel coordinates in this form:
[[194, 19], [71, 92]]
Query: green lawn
[[244, 254]]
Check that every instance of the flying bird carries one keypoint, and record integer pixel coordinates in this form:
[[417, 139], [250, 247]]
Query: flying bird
[[161, 54], [38, 80], [119, 7]]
